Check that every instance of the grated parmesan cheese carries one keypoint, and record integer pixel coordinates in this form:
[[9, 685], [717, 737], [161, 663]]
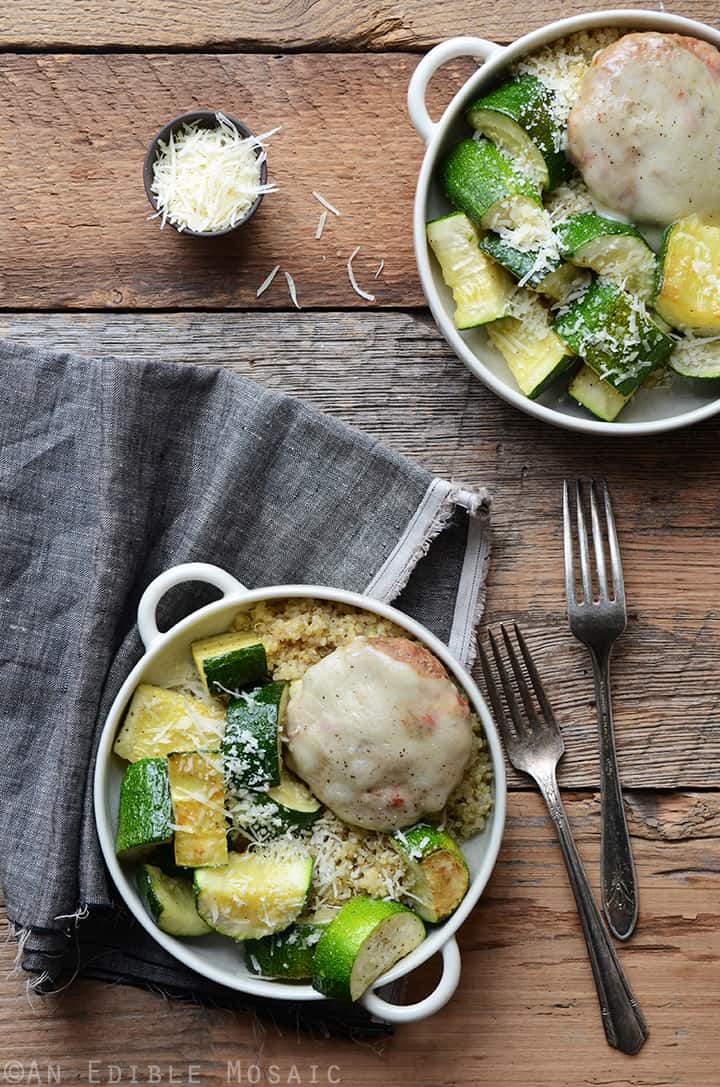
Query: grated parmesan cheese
[[351, 276], [206, 179], [561, 66], [267, 281], [325, 203], [291, 290], [321, 225]]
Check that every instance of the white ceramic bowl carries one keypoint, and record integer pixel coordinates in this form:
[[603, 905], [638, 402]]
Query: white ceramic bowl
[[652, 410], [213, 956]]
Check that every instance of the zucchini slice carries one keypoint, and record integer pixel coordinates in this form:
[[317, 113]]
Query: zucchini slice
[[287, 806], [480, 288], [688, 287], [198, 798], [295, 805], [228, 663], [480, 181], [255, 894], [159, 721], [598, 396], [535, 355], [145, 817], [543, 271], [615, 334], [439, 871], [253, 735], [520, 118], [171, 902], [287, 955], [612, 249], [697, 358], [365, 939]]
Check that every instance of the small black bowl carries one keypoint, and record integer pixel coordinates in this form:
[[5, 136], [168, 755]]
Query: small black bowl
[[207, 119]]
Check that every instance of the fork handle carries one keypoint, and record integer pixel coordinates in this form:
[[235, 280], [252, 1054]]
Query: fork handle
[[624, 1023], [618, 880]]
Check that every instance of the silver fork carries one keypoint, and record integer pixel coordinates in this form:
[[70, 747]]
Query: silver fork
[[598, 620], [534, 744]]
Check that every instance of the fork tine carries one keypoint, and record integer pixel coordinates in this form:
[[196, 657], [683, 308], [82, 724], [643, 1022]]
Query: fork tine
[[507, 688], [495, 700], [568, 547], [598, 543], [583, 544], [614, 549], [520, 680], [535, 678]]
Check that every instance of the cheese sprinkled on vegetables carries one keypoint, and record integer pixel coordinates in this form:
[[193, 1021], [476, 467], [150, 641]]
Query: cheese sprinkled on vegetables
[[206, 179]]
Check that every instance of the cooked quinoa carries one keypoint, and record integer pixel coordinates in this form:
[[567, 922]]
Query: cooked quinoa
[[297, 633]]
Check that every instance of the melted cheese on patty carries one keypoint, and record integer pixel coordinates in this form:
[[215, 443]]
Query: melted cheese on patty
[[379, 732]]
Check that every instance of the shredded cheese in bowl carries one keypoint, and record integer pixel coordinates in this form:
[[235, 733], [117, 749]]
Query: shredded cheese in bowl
[[205, 177]]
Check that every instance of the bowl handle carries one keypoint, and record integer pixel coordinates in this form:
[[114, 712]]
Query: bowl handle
[[186, 571], [438, 998], [448, 50]]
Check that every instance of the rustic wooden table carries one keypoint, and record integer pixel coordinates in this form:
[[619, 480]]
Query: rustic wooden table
[[84, 84]]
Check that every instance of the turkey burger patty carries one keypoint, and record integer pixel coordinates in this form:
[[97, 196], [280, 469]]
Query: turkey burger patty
[[379, 732]]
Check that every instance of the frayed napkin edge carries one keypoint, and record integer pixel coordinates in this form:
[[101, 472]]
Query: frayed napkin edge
[[434, 514]]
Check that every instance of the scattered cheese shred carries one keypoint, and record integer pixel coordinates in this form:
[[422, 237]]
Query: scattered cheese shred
[[321, 224], [267, 281], [380, 267], [206, 179], [351, 276], [292, 291], [326, 203]]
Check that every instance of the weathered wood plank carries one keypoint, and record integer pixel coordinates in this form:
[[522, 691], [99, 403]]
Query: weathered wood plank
[[276, 25], [74, 215], [525, 1012], [392, 376]]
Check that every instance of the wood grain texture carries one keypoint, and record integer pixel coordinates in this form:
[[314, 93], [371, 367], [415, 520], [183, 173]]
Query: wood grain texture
[[273, 25], [525, 1012], [392, 376], [74, 215]]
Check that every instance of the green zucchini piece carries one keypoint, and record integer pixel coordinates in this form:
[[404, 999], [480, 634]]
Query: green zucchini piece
[[481, 290], [365, 939], [145, 818], [543, 271], [228, 663], [520, 118], [255, 894], [480, 181], [285, 955], [170, 901], [159, 721], [440, 876], [697, 358], [288, 806], [534, 354], [615, 250], [163, 857], [598, 396], [197, 789], [251, 747], [688, 287], [615, 334]]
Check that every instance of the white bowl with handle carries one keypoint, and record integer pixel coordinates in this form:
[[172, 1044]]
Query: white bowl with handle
[[651, 411], [219, 958]]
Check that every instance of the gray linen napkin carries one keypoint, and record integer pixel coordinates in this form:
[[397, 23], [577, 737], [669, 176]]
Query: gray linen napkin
[[110, 472]]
